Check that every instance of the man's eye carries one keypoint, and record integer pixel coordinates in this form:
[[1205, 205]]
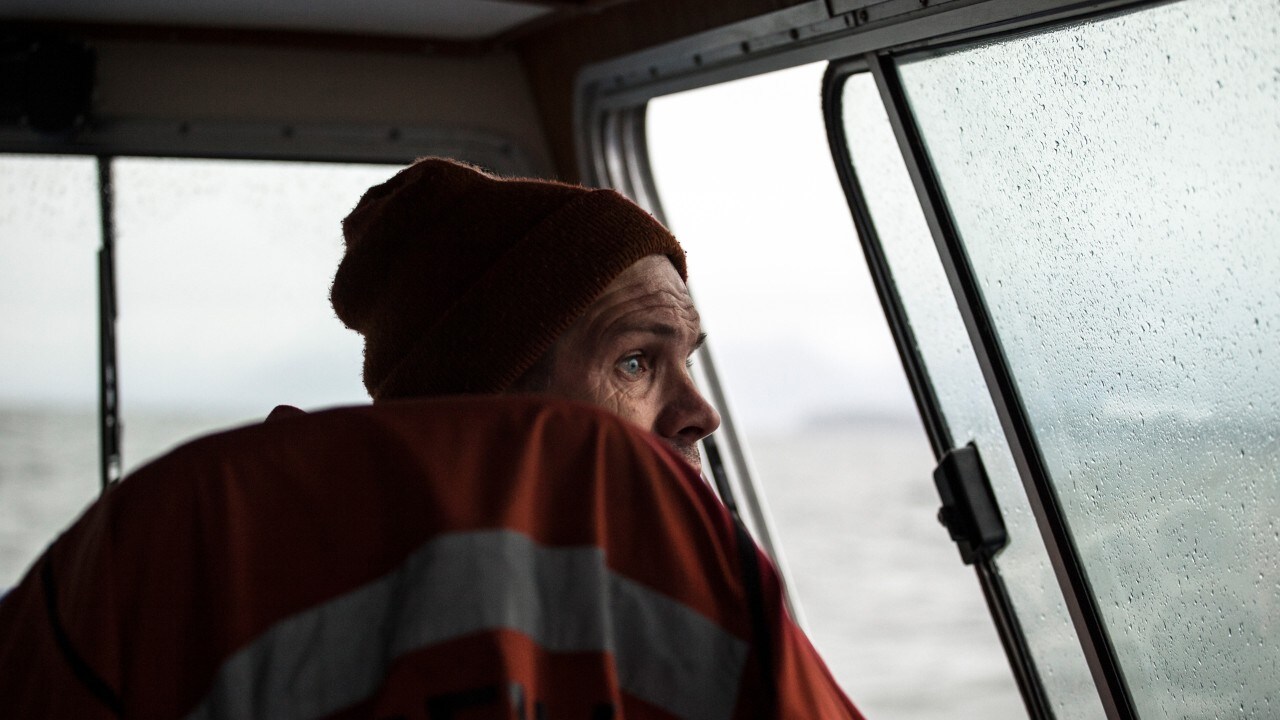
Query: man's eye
[[632, 364]]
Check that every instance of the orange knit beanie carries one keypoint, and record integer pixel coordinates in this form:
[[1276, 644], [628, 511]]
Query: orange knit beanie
[[459, 281]]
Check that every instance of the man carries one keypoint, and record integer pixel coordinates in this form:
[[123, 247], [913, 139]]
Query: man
[[487, 540], [465, 283]]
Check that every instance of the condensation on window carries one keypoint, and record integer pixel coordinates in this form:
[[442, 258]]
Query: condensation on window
[[1114, 184], [963, 396], [49, 237]]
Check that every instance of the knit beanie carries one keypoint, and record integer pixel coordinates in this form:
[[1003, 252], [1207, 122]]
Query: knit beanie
[[459, 281]]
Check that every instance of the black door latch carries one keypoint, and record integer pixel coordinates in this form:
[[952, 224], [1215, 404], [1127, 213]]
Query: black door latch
[[969, 510]]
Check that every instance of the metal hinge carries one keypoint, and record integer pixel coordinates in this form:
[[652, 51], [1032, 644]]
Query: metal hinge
[[969, 510]]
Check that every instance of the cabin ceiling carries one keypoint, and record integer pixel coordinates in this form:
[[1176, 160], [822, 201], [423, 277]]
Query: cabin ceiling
[[504, 67], [450, 20]]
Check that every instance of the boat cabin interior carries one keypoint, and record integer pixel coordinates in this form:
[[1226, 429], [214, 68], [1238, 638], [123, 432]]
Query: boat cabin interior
[[990, 285]]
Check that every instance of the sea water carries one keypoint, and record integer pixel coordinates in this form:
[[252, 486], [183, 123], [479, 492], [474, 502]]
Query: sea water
[[899, 620]]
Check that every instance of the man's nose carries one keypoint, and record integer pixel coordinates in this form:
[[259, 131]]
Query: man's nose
[[686, 417]]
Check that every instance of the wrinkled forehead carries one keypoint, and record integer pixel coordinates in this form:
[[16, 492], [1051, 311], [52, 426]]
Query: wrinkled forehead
[[648, 293], [651, 272]]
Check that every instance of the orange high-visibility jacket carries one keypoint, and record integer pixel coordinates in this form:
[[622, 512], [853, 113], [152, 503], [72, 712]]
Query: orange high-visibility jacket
[[454, 558]]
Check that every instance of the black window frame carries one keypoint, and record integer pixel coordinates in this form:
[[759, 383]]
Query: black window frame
[[993, 586], [1010, 408]]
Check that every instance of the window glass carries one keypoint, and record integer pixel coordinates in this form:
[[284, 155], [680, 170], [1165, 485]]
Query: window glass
[[803, 350], [223, 279], [963, 397], [1114, 184], [49, 237]]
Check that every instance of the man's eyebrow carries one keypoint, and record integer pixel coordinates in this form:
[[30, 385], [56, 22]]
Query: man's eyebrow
[[659, 329]]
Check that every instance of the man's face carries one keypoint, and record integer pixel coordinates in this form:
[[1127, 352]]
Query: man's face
[[629, 353]]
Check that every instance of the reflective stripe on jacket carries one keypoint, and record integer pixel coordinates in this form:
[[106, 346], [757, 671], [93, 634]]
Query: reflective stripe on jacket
[[453, 558]]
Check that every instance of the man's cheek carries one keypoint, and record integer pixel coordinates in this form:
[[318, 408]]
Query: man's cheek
[[630, 405]]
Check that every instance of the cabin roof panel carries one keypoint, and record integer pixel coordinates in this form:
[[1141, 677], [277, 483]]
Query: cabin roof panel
[[436, 19]]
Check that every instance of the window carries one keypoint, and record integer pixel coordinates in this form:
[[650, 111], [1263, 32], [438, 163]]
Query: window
[[222, 279], [962, 395], [48, 351], [747, 184], [1113, 185]]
